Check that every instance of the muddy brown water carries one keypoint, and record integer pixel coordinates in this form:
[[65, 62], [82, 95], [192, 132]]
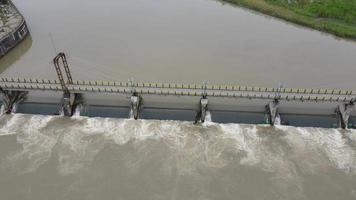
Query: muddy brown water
[[51, 157], [179, 41]]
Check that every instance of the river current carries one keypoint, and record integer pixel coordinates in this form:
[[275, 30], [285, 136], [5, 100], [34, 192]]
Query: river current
[[51, 157], [187, 41]]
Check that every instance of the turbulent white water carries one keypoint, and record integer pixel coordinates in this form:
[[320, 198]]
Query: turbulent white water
[[52, 157]]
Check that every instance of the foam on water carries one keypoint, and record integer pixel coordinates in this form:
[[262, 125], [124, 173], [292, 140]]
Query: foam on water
[[131, 116], [14, 109], [285, 156], [36, 146], [2, 109], [246, 137], [333, 144], [208, 117], [245, 141], [277, 120], [77, 111], [8, 125]]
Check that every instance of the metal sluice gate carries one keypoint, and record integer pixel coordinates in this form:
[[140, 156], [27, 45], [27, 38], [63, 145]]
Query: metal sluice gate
[[14, 91]]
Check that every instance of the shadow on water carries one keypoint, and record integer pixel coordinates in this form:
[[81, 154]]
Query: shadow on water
[[15, 54]]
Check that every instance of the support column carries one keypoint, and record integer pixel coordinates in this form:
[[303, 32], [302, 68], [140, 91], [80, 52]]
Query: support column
[[66, 105], [77, 104], [203, 108], [70, 102], [135, 106], [272, 114], [11, 99], [343, 113]]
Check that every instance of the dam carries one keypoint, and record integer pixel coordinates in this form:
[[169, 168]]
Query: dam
[[203, 99], [167, 62]]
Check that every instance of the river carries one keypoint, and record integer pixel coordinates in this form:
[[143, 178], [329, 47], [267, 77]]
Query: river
[[47, 157], [52, 157], [178, 41]]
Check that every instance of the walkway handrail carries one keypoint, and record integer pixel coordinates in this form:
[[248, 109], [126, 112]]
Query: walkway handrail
[[182, 89], [182, 86]]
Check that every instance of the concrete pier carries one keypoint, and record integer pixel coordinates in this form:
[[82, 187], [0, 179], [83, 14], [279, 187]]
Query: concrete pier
[[135, 106], [226, 102], [10, 100], [272, 114], [202, 111], [343, 112]]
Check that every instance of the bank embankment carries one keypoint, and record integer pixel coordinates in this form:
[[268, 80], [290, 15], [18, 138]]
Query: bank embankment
[[337, 17]]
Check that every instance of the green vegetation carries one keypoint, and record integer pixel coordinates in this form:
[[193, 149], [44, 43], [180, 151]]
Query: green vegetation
[[334, 16]]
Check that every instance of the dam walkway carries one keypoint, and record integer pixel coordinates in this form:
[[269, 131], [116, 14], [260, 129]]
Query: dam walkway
[[273, 96], [14, 90], [181, 89]]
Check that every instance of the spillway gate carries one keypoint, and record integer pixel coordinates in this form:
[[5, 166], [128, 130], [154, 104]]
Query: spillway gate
[[344, 98]]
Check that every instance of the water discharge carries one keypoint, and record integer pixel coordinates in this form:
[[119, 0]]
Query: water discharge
[[51, 157]]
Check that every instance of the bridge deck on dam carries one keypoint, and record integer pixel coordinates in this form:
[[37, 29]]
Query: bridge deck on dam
[[179, 89]]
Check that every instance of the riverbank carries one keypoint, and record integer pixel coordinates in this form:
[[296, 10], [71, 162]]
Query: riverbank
[[13, 27], [335, 17]]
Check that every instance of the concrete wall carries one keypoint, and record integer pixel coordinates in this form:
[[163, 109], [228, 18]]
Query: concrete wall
[[224, 110]]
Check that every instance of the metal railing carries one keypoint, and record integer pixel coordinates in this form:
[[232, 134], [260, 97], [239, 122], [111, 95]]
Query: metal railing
[[181, 89]]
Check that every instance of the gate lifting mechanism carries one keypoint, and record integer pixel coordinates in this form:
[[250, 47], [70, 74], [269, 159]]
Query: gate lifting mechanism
[[15, 91], [69, 102], [56, 60]]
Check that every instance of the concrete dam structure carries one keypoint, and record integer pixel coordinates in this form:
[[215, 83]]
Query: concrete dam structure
[[196, 102]]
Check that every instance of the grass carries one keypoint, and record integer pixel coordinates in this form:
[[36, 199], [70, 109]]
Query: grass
[[337, 17]]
